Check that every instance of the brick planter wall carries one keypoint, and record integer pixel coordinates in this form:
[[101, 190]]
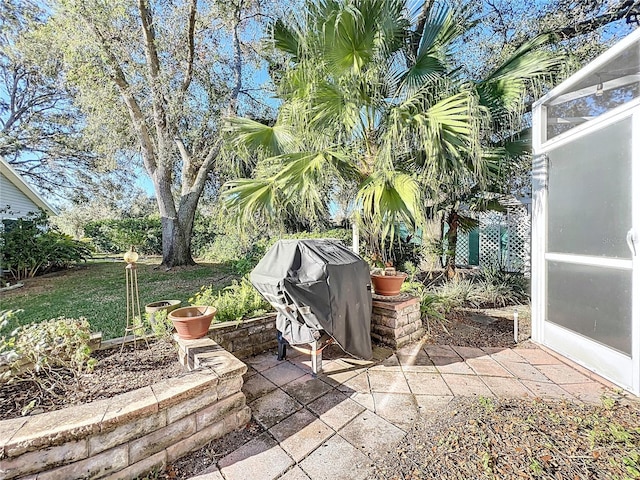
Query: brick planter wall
[[246, 338], [393, 323], [130, 434], [396, 323]]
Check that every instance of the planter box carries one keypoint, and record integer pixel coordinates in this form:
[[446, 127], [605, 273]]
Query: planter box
[[396, 323], [247, 337], [130, 434]]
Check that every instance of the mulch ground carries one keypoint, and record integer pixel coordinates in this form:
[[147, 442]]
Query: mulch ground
[[520, 438], [113, 374]]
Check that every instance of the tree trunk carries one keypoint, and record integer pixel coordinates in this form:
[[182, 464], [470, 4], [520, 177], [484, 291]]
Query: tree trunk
[[452, 242], [176, 243], [177, 223]]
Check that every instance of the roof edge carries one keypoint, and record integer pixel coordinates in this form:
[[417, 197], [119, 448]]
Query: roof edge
[[14, 177]]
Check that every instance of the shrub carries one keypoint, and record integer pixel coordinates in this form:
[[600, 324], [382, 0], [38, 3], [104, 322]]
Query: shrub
[[243, 256], [491, 288], [508, 287], [432, 307], [30, 248], [235, 302], [203, 235], [37, 350], [115, 236]]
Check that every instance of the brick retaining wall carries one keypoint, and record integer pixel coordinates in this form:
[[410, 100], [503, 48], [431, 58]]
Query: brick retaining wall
[[247, 337], [396, 323], [130, 434]]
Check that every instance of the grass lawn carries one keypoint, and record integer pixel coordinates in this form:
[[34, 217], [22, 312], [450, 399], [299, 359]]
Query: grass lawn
[[96, 290]]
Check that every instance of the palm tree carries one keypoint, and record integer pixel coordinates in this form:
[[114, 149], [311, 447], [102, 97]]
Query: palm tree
[[375, 111]]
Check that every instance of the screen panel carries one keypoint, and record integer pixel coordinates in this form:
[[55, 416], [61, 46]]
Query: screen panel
[[592, 301], [589, 202]]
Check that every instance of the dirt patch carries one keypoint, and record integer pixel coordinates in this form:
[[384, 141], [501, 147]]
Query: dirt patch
[[480, 328], [113, 374], [520, 438]]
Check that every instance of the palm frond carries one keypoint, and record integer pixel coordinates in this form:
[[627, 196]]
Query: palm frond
[[505, 86], [286, 38], [257, 136], [251, 197], [389, 199], [426, 68], [466, 224], [332, 107]]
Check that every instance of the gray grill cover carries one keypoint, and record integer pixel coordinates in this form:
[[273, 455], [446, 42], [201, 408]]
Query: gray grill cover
[[318, 285]]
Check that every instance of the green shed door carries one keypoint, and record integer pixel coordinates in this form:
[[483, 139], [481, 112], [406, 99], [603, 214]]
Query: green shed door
[[474, 247]]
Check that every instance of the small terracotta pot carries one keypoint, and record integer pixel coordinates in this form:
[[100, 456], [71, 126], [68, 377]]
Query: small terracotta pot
[[388, 285], [192, 322]]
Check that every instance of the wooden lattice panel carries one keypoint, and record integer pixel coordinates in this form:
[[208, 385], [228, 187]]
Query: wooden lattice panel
[[518, 251], [462, 249], [512, 228], [490, 223]]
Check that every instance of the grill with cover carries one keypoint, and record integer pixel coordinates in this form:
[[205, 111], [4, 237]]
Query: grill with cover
[[318, 286]]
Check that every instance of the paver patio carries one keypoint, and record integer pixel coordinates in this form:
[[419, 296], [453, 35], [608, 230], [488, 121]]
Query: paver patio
[[336, 425]]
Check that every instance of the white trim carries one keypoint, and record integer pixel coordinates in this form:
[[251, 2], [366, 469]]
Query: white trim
[[592, 67], [611, 364], [583, 92], [15, 178], [607, 262], [635, 224], [538, 225], [601, 121]]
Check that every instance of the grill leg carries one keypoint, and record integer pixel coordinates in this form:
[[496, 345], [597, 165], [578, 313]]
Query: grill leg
[[316, 358], [282, 346]]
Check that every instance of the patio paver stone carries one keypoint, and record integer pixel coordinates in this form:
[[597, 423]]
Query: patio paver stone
[[398, 408], [466, 385], [300, 434], [562, 374], [274, 407], [427, 383], [372, 435], [392, 382], [336, 409], [260, 458], [335, 425], [333, 458], [256, 386], [284, 373]]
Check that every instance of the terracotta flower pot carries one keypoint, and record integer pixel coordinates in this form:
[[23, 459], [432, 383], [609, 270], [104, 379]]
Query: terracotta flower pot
[[388, 285], [192, 322], [155, 307]]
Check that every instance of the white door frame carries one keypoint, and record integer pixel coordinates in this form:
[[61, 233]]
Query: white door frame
[[609, 363]]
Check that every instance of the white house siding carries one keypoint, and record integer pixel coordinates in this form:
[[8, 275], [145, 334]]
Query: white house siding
[[13, 203]]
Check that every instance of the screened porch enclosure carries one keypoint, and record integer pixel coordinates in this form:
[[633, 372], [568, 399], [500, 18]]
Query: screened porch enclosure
[[586, 216]]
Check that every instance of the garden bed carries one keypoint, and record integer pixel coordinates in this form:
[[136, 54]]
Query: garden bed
[[114, 374], [135, 368], [131, 433]]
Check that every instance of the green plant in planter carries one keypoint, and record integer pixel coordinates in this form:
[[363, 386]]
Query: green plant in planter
[[235, 302], [39, 351], [161, 326]]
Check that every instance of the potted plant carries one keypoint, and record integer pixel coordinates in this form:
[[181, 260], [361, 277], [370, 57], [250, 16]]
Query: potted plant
[[387, 281], [192, 322]]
